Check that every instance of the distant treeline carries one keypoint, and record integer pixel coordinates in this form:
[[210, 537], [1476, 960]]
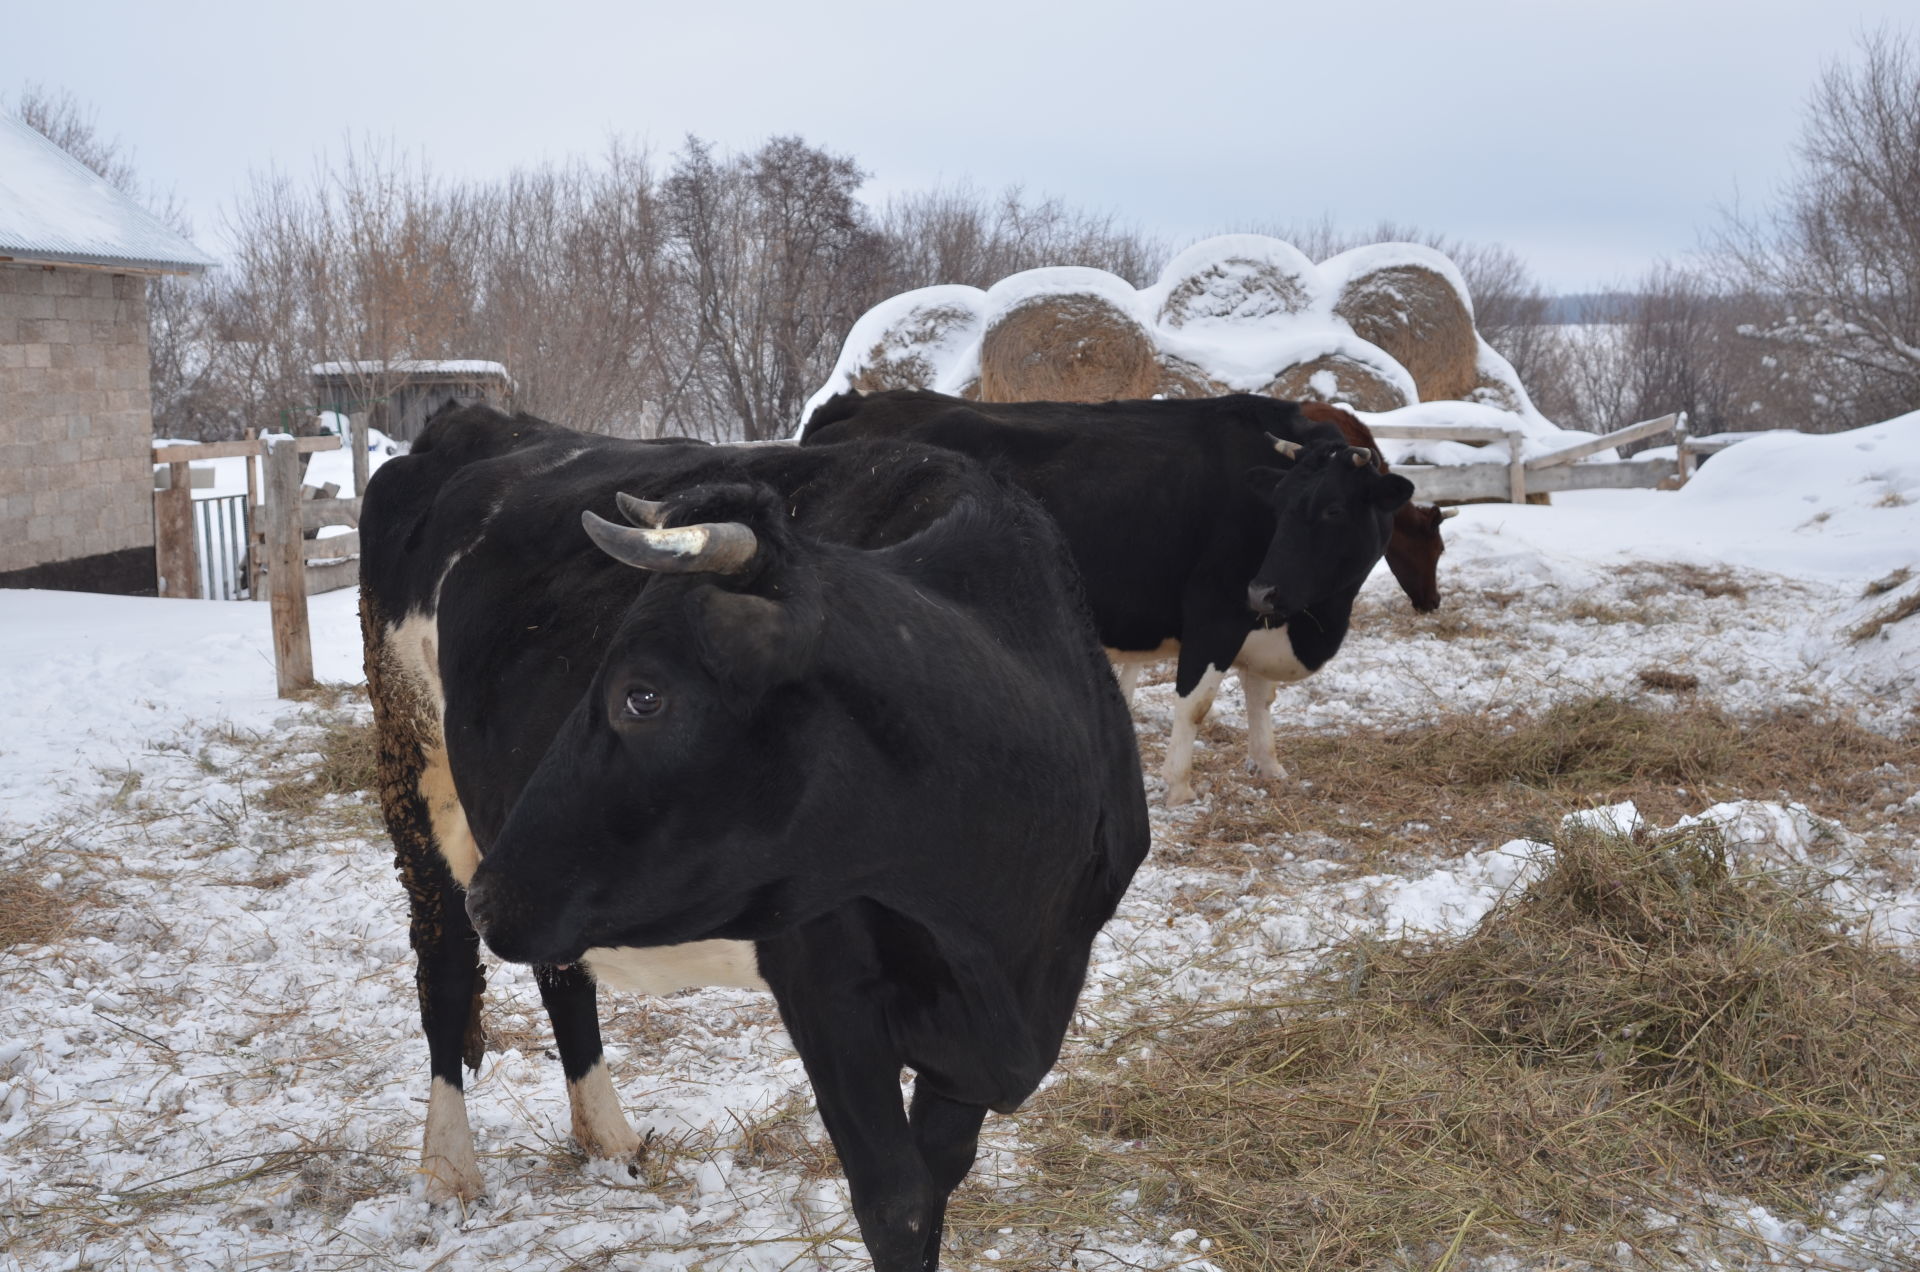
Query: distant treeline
[[708, 294]]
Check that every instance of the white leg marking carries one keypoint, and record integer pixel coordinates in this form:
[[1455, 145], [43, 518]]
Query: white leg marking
[[599, 1126], [1261, 761], [1129, 679], [1188, 712], [663, 969], [446, 1158]]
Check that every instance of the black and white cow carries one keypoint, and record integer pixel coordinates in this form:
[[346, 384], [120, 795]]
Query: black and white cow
[[1188, 537], [828, 721]]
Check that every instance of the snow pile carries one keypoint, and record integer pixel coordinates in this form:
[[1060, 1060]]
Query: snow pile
[[1235, 312]]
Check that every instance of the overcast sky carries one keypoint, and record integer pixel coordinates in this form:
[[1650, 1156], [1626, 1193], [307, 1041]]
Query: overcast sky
[[1591, 137]]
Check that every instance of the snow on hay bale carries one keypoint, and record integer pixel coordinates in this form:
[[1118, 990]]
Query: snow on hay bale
[[1180, 378], [1235, 279], [922, 339], [1412, 302], [1337, 368], [1066, 334]]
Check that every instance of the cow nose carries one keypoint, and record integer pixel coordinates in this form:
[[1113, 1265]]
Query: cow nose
[[1260, 597]]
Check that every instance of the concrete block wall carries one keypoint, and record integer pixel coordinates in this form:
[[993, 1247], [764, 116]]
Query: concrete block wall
[[76, 415]]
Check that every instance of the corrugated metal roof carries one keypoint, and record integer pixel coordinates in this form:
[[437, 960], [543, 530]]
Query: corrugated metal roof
[[53, 208]]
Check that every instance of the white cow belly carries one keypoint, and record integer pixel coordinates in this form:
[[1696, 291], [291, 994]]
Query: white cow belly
[[1268, 652], [1123, 657], [662, 969]]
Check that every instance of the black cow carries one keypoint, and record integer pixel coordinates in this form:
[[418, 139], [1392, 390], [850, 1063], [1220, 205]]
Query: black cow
[[833, 722], [1186, 535]]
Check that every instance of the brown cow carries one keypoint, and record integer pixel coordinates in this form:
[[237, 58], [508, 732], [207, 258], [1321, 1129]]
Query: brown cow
[[1413, 552]]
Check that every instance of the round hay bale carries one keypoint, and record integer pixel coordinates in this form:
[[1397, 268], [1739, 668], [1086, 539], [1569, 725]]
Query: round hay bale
[[1235, 278], [1064, 335], [1338, 378], [1180, 378], [1411, 301], [1497, 384], [911, 340]]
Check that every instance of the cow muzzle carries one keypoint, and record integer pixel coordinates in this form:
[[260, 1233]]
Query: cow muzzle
[[1260, 599], [503, 922]]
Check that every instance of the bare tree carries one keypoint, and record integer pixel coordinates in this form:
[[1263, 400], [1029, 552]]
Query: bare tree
[[1839, 255], [956, 234]]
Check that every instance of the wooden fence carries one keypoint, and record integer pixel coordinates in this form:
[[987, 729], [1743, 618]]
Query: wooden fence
[[283, 565], [1514, 477]]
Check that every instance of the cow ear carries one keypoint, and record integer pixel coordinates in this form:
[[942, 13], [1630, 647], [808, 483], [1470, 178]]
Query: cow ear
[[1263, 481], [1390, 491], [752, 644]]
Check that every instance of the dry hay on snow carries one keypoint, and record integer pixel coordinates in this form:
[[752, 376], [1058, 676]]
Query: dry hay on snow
[[1067, 348], [1414, 313], [1334, 377], [1642, 1030]]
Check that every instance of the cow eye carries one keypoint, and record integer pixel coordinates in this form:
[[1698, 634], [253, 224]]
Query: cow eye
[[644, 703]]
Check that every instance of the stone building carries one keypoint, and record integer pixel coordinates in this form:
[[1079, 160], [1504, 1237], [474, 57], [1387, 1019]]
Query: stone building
[[76, 411]]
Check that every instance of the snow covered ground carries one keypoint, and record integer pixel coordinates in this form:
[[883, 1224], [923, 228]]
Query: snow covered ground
[[219, 1065]]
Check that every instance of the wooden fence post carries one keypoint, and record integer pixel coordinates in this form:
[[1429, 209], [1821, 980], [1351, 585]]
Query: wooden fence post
[[176, 564], [1516, 469], [357, 438], [287, 568]]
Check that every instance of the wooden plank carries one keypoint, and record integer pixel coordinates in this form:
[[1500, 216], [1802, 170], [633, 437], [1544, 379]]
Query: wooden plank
[[332, 576], [357, 436], [1516, 468], [1627, 474], [333, 547], [1456, 483], [287, 568], [1619, 437], [176, 563], [1441, 432], [315, 513], [200, 451], [256, 537]]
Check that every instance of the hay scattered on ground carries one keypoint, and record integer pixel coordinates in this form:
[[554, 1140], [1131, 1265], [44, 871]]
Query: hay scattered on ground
[[1332, 377], [1415, 315], [1642, 1029], [348, 763], [1466, 782], [1887, 583], [30, 912], [1904, 608], [1668, 681], [1066, 349]]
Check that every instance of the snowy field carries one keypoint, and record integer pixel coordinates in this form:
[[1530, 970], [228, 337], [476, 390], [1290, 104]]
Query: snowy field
[[214, 1060]]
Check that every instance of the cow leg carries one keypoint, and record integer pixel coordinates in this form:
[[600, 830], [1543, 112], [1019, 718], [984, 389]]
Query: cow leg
[[947, 1133], [1129, 674], [855, 1073], [451, 986], [1189, 710], [1261, 761], [447, 970], [571, 999]]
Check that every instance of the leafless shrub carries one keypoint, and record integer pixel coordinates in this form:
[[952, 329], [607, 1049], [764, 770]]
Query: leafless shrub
[[1839, 252]]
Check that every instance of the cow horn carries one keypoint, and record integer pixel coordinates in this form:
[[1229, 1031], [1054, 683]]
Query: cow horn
[[641, 512], [1449, 512], [1362, 457], [715, 547], [1288, 450]]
